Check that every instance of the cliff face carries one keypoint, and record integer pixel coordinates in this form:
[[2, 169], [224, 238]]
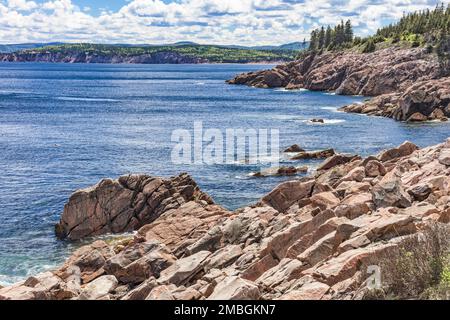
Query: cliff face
[[310, 238], [404, 80], [371, 74], [154, 58]]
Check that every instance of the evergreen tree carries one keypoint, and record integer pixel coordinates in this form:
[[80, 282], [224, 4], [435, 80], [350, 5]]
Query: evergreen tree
[[332, 38], [427, 23], [348, 31], [328, 36], [321, 38], [313, 42]]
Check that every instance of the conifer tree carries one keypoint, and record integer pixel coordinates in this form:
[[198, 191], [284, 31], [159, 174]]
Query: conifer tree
[[328, 35], [348, 31], [321, 38]]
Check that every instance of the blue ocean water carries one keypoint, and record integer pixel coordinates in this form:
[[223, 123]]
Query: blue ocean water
[[64, 127]]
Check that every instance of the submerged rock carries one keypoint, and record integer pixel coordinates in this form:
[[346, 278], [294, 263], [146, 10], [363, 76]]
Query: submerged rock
[[294, 148], [280, 171], [321, 154]]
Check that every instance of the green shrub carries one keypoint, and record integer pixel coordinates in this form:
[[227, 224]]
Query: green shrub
[[419, 268], [369, 46]]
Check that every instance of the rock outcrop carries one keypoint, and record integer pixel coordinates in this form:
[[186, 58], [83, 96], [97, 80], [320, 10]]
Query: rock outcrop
[[405, 83], [125, 204], [383, 71], [427, 100], [309, 238]]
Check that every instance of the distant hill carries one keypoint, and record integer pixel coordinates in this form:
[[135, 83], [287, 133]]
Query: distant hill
[[9, 48], [288, 46], [294, 46], [184, 52]]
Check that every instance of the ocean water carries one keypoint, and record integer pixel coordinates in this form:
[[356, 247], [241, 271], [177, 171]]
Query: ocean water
[[64, 127]]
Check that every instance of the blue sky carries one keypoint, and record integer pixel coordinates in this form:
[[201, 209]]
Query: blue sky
[[246, 22], [96, 7]]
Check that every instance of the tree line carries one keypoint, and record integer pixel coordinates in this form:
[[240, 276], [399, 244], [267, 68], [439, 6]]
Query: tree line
[[429, 23], [428, 28], [330, 38]]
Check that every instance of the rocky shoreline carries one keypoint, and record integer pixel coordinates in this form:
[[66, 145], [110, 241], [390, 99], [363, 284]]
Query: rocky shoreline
[[405, 83], [309, 238]]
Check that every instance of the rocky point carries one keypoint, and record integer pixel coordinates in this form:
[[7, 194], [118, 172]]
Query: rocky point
[[307, 239], [405, 84]]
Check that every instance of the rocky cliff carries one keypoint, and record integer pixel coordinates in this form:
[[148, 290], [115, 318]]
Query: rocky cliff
[[85, 57], [404, 81], [310, 238]]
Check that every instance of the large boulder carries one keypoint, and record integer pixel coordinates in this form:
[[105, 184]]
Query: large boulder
[[99, 288], [184, 269], [312, 290], [287, 193], [374, 168], [235, 288], [335, 160], [405, 149], [44, 286], [125, 204], [444, 157], [389, 192], [139, 262]]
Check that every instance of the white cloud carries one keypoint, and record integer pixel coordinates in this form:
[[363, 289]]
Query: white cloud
[[212, 21], [22, 5]]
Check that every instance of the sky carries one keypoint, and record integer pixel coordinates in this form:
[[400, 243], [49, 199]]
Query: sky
[[243, 22]]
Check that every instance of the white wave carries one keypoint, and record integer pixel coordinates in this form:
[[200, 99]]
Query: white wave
[[325, 121], [240, 177], [85, 99], [288, 117], [8, 92], [290, 90], [200, 83], [330, 93], [9, 280], [333, 109], [259, 160]]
